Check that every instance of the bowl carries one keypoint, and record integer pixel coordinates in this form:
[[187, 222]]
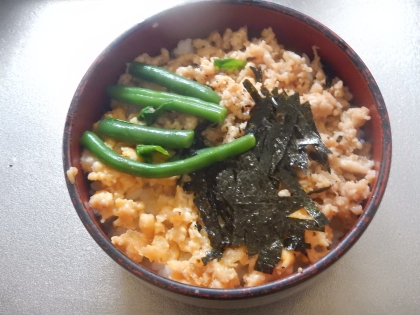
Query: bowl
[[298, 33]]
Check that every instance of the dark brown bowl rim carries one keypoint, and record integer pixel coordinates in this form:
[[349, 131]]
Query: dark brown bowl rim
[[272, 287]]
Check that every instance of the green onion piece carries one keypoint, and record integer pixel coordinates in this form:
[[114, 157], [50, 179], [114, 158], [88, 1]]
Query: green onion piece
[[150, 114], [229, 64], [147, 152]]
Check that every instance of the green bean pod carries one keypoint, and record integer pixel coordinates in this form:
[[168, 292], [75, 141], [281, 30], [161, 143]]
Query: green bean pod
[[133, 133], [117, 89], [173, 82], [207, 156], [188, 105]]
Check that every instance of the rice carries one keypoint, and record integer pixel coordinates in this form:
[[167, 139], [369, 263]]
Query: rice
[[71, 174], [157, 221]]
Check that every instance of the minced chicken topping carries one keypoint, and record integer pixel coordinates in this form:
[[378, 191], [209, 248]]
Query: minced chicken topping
[[71, 174]]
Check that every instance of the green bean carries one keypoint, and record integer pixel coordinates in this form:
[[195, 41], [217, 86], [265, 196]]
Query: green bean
[[150, 114], [152, 153], [134, 133], [189, 105], [173, 82], [207, 156], [117, 89]]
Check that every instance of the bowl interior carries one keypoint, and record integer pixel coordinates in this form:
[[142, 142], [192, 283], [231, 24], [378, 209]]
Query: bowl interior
[[295, 31]]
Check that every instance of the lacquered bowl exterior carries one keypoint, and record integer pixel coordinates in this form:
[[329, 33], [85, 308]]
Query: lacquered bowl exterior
[[297, 32]]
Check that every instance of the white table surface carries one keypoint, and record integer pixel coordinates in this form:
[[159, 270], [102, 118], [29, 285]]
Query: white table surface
[[49, 264]]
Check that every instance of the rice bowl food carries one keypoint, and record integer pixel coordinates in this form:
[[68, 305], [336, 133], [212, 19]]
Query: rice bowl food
[[155, 220]]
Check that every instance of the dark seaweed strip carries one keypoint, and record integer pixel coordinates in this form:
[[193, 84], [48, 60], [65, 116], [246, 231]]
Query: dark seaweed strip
[[269, 257], [246, 217], [312, 136], [297, 158], [249, 217], [320, 190], [256, 224], [288, 102], [290, 204], [285, 108], [209, 217], [272, 136], [296, 241], [248, 161], [212, 255], [252, 91], [288, 110], [270, 151], [261, 111], [320, 146], [260, 134], [282, 134], [225, 212], [225, 185], [305, 125], [305, 224], [207, 201], [291, 182], [267, 93], [306, 111], [257, 74], [263, 108], [256, 228], [256, 198], [217, 200], [262, 116]]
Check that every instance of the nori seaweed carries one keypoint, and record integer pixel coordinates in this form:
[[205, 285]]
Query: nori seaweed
[[305, 125], [292, 183], [257, 74], [320, 190], [237, 198]]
